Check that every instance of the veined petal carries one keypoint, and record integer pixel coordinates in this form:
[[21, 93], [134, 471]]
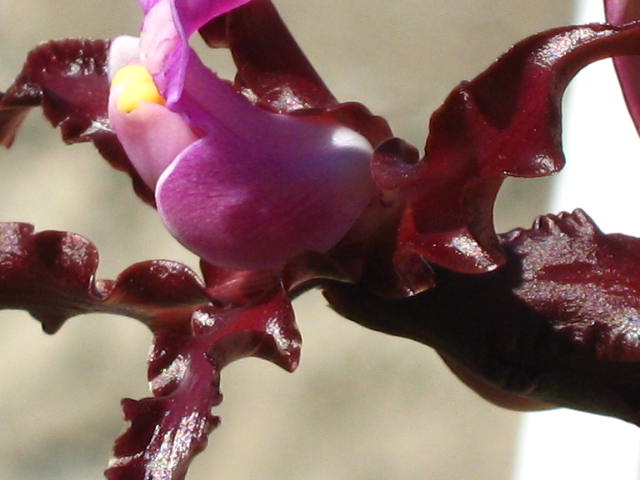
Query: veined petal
[[252, 205], [258, 187], [628, 68]]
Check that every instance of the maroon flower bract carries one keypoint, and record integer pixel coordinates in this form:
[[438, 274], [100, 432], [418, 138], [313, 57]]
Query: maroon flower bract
[[533, 317]]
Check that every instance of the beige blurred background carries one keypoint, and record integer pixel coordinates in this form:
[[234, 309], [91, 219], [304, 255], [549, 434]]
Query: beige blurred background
[[361, 405]]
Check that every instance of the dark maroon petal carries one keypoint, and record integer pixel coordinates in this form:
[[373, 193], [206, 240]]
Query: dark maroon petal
[[49, 274], [274, 72], [370, 254], [184, 370], [68, 78], [558, 323], [269, 61], [506, 122], [52, 276], [233, 288]]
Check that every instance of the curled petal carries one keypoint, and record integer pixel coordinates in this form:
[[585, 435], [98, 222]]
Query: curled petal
[[505, 122], [165, 39], [194, 14], [52, 276], [270, 63], [246, 206], [68, 78], [168, 429]]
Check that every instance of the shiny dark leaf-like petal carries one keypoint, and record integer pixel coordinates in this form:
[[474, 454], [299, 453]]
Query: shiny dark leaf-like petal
[[505, 122], [68, 78], [52, 276], [184, 371], [558, 324], [270, 62]]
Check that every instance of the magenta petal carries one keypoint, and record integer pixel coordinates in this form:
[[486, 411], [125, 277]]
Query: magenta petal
[[165, 38], [193, 14], [246, 205], [628, 68]]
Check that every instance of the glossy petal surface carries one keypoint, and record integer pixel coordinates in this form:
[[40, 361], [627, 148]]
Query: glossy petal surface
[[557, 324], [505, 122], [68, 78], [184, 372], [52, 276], [270, 63]]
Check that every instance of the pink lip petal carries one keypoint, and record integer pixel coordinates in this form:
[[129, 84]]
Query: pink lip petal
[[244, 205], [161, 49], [259, 187], [152, 136], [209, 102]]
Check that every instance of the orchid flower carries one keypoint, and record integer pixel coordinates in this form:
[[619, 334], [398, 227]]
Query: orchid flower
[[278, 187], [242, 187]]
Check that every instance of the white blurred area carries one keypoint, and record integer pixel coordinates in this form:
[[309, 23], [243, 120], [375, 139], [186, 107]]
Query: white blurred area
[[602, 149], [361, 405]]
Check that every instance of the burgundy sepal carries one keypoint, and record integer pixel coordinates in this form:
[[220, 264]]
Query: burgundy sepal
[[557, 324], [168, 429], [505, 122], [68, 78]]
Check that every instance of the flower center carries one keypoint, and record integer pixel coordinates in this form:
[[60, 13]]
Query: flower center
[[137, 86]]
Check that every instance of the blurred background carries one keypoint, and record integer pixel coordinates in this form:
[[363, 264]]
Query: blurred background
[[361, 405]]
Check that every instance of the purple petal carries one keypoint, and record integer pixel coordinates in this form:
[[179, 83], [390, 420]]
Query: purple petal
[[194, 14], [165, 39], [628, 68], [255, 203]]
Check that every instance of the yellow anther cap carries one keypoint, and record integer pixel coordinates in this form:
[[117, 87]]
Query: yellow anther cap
[[138, 86]]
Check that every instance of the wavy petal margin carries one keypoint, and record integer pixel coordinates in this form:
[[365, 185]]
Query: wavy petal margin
[[558, 324], [68, 79], [52, 276], [184, 371], [270, 62], [505, 122]]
